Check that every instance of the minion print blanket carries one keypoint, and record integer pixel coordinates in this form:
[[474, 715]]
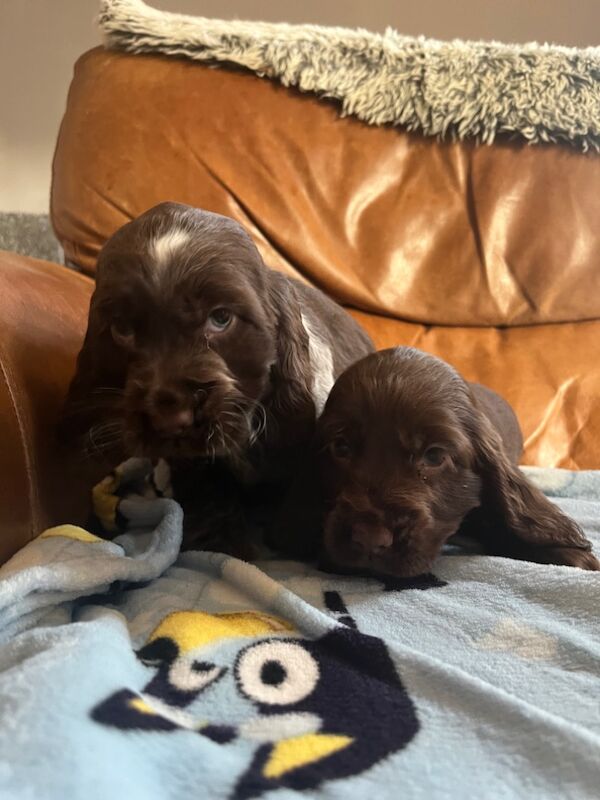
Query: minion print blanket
[[130, 671]]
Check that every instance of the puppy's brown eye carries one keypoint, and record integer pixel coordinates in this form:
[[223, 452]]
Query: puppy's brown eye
[[122, 331], [434, 456], [340, 448], [219, 319]]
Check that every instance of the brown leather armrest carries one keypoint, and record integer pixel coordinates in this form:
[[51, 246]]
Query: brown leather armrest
[[43, 312]]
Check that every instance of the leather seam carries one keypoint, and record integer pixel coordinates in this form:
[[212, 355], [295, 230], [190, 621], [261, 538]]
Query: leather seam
[[28, 460]]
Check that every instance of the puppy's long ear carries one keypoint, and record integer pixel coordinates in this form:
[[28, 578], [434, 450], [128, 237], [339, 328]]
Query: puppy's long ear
[[291, 373], [516, 519], [101, 368]]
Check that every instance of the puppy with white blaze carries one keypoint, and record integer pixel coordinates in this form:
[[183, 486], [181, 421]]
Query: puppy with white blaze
[[198, 353]]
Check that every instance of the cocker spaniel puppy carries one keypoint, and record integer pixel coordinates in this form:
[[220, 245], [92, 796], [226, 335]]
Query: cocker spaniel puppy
[[406, 454], [197, 353]]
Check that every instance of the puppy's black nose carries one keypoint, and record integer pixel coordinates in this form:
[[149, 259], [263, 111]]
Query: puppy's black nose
[[372, 539], [170, 413], [172, 423]]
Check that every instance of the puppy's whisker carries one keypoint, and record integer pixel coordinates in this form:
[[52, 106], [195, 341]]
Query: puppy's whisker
[[106, 443], [106, 431], [109, 435], [103, 437], [233, 415], [111, 425], [253, 415], [100, 444], [240, 405], [258, 422], [228, 443], [210, 444], [94, 448], [236, 422]]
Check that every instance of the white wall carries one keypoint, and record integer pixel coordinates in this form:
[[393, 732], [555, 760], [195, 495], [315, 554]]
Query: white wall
[[40, 40]]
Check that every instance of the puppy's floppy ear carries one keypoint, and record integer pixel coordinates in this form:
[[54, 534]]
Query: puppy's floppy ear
[[101, 365], [291, 373], [515, 518]]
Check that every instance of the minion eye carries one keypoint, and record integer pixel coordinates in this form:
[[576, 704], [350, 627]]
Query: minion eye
[[192, 675], [276, 672]]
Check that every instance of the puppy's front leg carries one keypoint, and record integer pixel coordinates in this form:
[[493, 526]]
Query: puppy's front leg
[[214, 513]]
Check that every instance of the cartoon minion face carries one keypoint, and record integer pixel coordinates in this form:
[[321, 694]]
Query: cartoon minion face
[[314, 710], [180, 646]]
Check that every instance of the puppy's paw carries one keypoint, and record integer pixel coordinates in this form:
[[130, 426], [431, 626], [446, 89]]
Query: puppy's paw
[[569, 557]]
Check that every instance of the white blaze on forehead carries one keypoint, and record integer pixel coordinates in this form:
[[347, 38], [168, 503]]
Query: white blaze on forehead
[[321, 363], [164, 247]]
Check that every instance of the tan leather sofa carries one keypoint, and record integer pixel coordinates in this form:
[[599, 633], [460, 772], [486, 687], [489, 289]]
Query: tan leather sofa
[[486, 256]]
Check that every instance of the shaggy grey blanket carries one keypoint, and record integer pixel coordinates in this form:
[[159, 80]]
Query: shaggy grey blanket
[[452, 90]]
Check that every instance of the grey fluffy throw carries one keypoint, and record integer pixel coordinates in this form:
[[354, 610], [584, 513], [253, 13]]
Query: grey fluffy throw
[[453, 90]]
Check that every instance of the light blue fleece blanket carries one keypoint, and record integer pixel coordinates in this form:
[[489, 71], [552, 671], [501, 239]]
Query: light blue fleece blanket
[[129, 671]]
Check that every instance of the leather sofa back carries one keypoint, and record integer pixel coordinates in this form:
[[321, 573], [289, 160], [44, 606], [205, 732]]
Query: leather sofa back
[[385, 221]]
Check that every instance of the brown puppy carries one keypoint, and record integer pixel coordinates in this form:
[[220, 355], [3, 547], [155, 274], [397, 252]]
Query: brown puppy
[[407, 454], [198, 353]]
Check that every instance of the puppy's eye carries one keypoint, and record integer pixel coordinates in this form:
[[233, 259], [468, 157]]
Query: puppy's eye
[[219, 319], [434, 456], [340, 447], [122, 331]]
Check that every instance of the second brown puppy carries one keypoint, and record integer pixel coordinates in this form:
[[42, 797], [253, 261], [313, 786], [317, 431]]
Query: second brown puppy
[[408, 453]]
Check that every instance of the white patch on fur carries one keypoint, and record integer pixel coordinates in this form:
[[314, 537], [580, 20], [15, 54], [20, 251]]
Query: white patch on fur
[[321, 363], [166, 246]]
